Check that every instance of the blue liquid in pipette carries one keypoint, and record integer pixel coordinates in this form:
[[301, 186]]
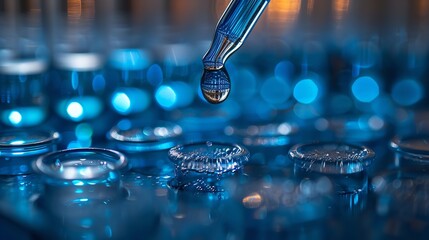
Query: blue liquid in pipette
[[232, 30]]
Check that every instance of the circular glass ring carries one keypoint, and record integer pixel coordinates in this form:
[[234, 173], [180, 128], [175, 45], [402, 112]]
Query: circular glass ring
[[12, 140], [274, 134], [332, 158], [140, 137], [209, 157], [80, 164], [19, 148], [416, 146]]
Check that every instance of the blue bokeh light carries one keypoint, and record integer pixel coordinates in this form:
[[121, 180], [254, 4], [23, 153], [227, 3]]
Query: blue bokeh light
[[407, 92], [184, 93], [130, 100], [75, 110], [129, 59], [365, 89], [306, 91], [166, 97], [15, 118], [74, 80], [83, 132], [98, 83], [23, 116], [275, 91], [121, 102], [155, 75], [283, 70], [79, 108]]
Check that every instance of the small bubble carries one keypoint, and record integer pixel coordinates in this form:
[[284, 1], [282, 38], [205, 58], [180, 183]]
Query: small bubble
[[57, 163], [215, 85], [209, 144]]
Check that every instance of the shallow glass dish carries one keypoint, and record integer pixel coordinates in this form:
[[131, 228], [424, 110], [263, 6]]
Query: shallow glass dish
[[201, 166], [209, 157], [332, 158], [136, 137], [20, 147], [413, 149], [344, 164], [146, 144], [81, 175]]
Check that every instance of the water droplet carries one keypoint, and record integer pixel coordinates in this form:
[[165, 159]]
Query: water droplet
[[215, 85], [209, 144]]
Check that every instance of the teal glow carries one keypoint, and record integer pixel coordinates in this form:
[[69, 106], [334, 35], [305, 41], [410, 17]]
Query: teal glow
[[154, 75], [74, 79], [306, 91], [130, 100], [365, 89], [124, 124], [166, 97], [23, 117], [79, 108], [75, 110], [121, 102], [407, 92], [15, 118], [17, 142], [83, 131], [129, 59], [77, 183], [74, 144]]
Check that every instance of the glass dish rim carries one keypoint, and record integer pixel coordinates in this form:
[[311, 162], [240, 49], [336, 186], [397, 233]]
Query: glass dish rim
[[298, 157], [41, 167], [53, 136]]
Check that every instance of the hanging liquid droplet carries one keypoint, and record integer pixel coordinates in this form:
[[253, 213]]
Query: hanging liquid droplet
[[215, 85]]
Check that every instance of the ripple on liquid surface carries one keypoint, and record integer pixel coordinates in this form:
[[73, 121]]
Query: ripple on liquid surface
[[334, 158], [208, 157]]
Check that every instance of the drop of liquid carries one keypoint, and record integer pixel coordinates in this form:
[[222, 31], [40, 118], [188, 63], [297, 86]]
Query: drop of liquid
[[215, 85]]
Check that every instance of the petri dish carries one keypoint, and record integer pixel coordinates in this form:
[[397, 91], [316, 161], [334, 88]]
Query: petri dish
[[146, 145], [413, 148], [345, 164], [332, 158], [81, 175], [209, 157], [263, 135], [20, 147], [201, 166], [136, 137]]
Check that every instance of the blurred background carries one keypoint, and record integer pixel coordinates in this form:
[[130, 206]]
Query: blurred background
[[334, 70], [77, 60], [70, 63]]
